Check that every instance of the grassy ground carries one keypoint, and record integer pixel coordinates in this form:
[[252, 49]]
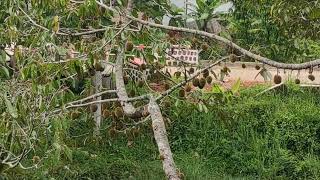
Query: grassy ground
[[273, 136]]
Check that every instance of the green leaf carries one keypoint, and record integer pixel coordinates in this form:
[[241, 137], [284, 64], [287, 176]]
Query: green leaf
[[5, 71], [67, 151], [201, 5], [235, 88], [205, 109], [11, 109], [3, 57], [176, 104], [200, 107], [204, 16], [119, 2], [217, 89]]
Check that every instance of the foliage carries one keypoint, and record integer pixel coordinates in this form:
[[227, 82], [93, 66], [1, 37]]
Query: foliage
[[204, 12], [280, 29]]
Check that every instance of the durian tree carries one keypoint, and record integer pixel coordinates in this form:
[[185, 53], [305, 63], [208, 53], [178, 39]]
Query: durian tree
[[61, 45]]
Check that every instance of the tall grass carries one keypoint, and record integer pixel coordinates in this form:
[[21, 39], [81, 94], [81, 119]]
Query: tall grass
[[272, 136]]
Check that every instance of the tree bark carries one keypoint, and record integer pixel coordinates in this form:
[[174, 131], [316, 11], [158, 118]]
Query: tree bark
[[160, 135], [128, 108], [97, 80]]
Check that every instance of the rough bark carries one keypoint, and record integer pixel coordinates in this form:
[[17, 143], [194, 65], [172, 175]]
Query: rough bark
[[160, 135], [128, 108], [97, 80]]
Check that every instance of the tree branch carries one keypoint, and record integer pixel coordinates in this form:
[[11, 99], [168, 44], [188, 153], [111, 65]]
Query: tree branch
[[167, 92]]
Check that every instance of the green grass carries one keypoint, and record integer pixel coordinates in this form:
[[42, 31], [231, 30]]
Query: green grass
[[272, 136]]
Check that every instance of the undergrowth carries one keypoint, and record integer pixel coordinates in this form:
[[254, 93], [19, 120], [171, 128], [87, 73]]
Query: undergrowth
[[272, 136]]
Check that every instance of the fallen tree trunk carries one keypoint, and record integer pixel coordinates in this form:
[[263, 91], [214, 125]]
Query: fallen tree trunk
[[160, 135]]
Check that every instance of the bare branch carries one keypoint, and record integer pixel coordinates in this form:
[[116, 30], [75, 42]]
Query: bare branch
[[271, 88], [92, 96]]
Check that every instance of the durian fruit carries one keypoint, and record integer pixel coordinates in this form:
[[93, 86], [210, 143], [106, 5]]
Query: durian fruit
[[188, 88], [297, 81], [257, 67], [143, 67], [93, 107], [117, 104], [205, 73], [74, 115], [191, 70], [129, 137], [205, 46], [104, 106], [106, 113], [225, 69], [177, 74], [92, 72], [145, 17], [195, 82], [166, 86], [202, 83], [99, 67], [129, 46], [118, 112], [140, 83], [112, 132], [194, 41], [172, 40], [132, 93], [209, 79], [166, 103], [126, 79], [233, 58], [311, 77], [172, 33], [86, 74], [135, 131], [243, 66], [277, 79], [35, 159], [182, 93]]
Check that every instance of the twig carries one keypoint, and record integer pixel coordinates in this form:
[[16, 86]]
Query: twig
[[271, 88], [91, 97]]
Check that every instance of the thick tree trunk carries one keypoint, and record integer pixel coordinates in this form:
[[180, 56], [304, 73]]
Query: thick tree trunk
[[160, 135]]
